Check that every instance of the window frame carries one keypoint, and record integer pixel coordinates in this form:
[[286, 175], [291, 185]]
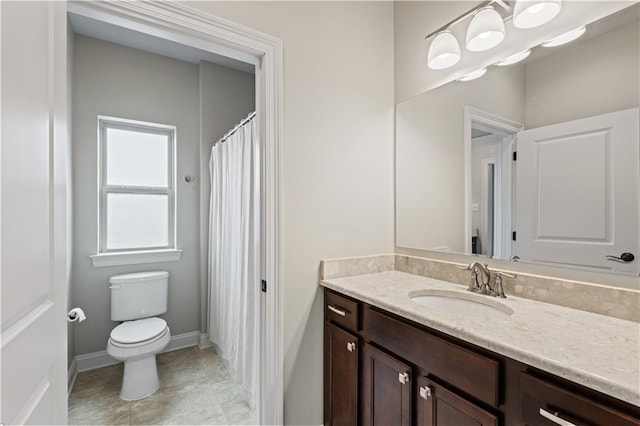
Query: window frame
[[105, 123]]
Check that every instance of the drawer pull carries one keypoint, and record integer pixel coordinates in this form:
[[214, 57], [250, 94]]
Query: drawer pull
[[338, 311], [425, 392], [403, 378], [554, 418], [351, 346]]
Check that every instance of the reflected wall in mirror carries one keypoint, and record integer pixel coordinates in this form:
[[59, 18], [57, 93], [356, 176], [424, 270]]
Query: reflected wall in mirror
[[571, 198]]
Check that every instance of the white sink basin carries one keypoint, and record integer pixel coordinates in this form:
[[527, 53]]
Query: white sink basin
[[467, 304]]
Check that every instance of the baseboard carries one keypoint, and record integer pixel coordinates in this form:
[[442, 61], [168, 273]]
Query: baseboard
[[73, 373], [204, 341], [181, 341], [94, 360], [101, 359]]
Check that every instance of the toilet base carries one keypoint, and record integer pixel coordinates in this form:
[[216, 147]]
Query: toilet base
[[140, 378]]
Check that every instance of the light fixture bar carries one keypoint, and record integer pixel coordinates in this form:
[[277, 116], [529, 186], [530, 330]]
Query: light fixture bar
[[502, 3]]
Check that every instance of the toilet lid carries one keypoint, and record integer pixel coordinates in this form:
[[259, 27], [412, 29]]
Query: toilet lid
[[138, 330]]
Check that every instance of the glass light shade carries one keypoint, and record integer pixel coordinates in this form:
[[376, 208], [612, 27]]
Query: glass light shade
[[444, 51], [486, 30], [533, 13], [565, 38], [473, 75], [515, 58]]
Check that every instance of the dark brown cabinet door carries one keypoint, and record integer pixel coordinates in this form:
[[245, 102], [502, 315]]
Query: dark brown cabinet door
[[386, 389], [441, 407], [340, 376]]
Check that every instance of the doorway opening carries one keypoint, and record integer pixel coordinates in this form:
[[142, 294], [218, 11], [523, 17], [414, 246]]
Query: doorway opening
[[490, 143], [187, 36]]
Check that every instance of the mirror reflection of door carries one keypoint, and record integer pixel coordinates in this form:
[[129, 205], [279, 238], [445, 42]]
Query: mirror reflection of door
[[490, 189], [578, 192]]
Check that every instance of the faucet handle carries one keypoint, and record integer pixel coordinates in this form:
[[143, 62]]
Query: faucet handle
[[498, 289], [465, 267]]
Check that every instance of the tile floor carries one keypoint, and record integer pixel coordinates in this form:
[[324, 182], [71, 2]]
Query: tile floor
[[195, 388]]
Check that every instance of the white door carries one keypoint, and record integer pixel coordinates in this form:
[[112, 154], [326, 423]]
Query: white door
[[577, 198], [33, 231]]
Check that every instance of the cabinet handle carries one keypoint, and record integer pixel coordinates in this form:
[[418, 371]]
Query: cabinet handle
[[554, 418], [403, 378], [337, 311], [351, 346], [425, 392]]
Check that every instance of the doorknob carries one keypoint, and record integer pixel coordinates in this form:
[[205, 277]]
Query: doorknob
[[624, 257]]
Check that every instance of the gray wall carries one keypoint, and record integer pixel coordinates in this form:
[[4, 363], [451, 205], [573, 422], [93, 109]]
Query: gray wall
[[122, 82], [226, 96]]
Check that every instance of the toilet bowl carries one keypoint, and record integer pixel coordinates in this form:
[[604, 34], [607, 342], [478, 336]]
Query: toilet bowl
[[136, 343], [136, 299]]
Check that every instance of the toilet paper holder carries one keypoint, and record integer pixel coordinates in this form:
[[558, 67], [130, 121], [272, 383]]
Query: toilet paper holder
[[76, 314]]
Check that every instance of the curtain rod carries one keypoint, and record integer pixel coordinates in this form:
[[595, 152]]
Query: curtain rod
[[232, 131]]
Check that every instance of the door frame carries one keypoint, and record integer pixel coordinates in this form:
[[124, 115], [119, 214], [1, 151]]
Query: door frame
[[475, 116], [485, 189], [179, 23]]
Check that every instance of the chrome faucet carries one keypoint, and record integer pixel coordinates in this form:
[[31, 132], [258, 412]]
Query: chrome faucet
[[481, 280], [478, 272]]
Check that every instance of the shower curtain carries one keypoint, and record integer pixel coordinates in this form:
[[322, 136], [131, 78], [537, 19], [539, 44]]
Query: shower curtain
[[234, 257]]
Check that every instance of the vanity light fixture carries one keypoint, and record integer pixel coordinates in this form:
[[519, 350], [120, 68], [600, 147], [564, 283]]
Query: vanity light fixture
[[534, 13], [515, 58], [565, 38], [486, 28], [444, 51], [473, 75], [485, 31]]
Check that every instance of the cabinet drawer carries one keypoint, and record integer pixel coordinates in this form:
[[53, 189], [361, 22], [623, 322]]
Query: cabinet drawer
[[467, 371], [340, 310], [544, 403]]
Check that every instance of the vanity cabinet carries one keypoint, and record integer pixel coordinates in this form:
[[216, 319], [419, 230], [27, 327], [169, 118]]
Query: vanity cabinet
[[382, 369], [341, 376], [341, 361]]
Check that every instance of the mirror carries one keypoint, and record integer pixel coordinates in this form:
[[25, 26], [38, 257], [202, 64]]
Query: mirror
[[536, 161]]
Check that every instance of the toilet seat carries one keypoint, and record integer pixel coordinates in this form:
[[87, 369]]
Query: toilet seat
[[138, 332]]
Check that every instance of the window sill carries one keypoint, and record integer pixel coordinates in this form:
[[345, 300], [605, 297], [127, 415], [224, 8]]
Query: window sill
[[135, 257]]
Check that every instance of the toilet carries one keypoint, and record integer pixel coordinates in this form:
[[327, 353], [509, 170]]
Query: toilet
[[135, 300]]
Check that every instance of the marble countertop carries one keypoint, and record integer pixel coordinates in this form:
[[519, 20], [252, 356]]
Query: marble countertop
[[597, 351]]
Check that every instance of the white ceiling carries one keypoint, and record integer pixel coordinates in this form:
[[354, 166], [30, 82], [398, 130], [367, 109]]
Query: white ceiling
[[123, 36]]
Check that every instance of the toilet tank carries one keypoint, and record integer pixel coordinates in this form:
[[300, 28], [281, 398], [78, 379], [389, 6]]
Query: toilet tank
[[138, 295]]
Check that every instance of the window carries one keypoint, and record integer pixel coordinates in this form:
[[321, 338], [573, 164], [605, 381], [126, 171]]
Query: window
[[137, 200]]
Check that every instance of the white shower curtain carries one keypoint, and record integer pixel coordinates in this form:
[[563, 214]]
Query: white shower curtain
[[234, 258]]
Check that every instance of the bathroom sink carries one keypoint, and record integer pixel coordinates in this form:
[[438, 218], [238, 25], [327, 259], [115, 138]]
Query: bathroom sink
[[467, 304]]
